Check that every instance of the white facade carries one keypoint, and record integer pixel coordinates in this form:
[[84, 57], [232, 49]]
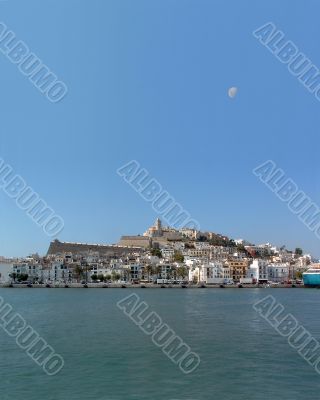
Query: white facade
[[253, 271], [5, 271], [56, 272], [264, 270], [97, 269], [259, 268], [278, 272], [135, 271], [167, 253], [165, 271], [30, 269], [213, 272]]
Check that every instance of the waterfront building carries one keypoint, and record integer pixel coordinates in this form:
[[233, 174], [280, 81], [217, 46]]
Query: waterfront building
[[163, 271], [278, 272], [259, 268], [100, 269], [253, 271], [58, 273], [213, 272], [238, 269], [6, 266], [31, 269], [136, 271], [210, 273]]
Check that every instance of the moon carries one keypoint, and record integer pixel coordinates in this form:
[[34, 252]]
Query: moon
[[232, 92]]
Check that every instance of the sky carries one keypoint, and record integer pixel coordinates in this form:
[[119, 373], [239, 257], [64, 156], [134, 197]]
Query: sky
[[148, 81]]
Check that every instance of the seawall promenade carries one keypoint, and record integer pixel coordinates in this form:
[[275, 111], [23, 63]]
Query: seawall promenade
[[147, 286]]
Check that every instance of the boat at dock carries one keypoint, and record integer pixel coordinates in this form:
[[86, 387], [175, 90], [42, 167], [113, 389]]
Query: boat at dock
[[311, 278]]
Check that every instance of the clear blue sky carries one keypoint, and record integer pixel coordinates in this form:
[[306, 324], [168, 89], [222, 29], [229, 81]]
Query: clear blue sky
[[148, 80]]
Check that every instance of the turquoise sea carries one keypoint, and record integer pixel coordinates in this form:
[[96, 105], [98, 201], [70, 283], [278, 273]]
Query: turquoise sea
[[107, 357]]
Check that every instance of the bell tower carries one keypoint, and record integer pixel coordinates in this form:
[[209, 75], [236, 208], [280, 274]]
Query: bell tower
[[158, 225]]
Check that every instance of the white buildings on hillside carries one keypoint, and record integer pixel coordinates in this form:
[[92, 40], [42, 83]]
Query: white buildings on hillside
[[167, 253], [213, 272]]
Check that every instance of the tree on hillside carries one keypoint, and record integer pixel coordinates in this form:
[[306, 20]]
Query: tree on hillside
[[241, 248], [178, 257], [156, 252], [218, 241], [298, 251]]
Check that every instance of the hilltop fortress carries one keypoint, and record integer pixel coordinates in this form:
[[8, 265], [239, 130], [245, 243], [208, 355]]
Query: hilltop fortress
[[156, 236], [57, 247]]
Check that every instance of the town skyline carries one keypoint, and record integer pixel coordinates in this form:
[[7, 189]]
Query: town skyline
[[155, 232], [160, 255]]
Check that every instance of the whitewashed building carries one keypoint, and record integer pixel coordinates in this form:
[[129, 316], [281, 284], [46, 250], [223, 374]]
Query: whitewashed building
[[253, 271], [167, 253], [28, 268], [213, 272], [258, 268], [5, 270], [278, 272]]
